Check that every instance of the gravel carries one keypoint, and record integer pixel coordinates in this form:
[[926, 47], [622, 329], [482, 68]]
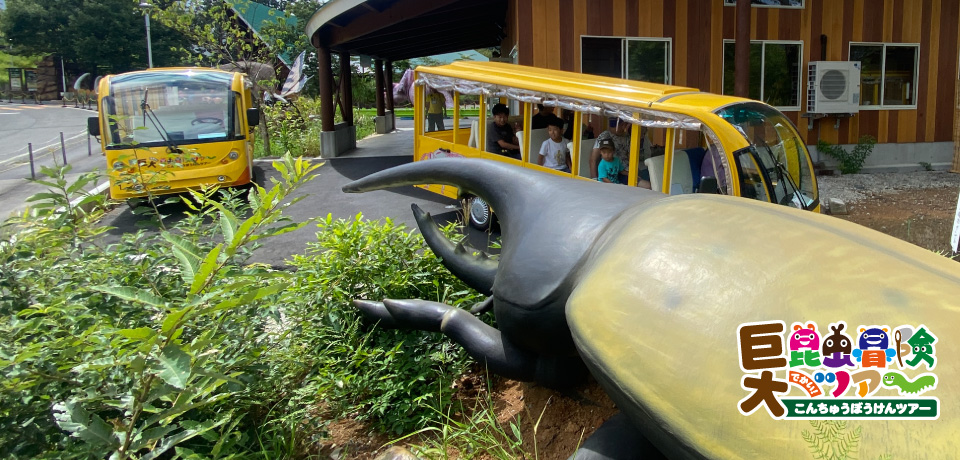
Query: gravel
[[851, 188]]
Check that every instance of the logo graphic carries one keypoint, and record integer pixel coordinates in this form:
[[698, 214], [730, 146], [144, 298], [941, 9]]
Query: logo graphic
[[884, 373]]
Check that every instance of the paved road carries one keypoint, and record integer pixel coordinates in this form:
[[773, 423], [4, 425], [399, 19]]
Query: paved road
[[324, 196], [40, 125]]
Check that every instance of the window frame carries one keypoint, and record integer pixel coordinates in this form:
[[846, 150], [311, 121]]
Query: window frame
[[623, 53], [763, 57], [883, 74], [803, 4]]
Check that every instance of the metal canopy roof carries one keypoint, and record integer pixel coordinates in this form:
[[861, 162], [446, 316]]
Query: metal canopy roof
[[403, 29]]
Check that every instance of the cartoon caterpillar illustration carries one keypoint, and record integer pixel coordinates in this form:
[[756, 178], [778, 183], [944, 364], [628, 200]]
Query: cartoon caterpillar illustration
[[919, 386]]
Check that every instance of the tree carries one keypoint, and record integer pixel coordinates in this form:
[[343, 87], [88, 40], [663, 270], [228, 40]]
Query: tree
[[97, 35], [218, 38]]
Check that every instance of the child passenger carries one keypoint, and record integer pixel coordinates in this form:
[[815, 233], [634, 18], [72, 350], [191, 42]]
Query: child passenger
[[553, 152], [609, 168]]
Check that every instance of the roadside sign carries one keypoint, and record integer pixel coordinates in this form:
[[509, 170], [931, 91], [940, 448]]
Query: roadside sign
[[30, 79], [16, 78]]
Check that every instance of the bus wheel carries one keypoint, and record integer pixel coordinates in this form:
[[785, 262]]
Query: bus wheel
[[479, 214]]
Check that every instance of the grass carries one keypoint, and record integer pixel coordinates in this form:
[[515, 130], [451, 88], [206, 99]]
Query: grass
[[478, 434]]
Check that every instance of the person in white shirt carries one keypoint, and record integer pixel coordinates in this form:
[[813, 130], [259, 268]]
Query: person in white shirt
[[553, 152]]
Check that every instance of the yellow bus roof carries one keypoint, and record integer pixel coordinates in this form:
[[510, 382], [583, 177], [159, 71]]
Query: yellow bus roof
[[173, 70], [578, 85]]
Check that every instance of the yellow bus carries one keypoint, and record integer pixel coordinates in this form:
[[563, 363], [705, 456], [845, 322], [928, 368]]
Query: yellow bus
[[674, 140], [166, 130]]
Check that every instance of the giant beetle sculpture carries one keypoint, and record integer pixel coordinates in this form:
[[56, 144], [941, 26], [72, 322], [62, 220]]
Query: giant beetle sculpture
[[646, 292]]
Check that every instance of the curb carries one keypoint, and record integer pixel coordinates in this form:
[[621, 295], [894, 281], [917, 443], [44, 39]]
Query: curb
[[99, 189]]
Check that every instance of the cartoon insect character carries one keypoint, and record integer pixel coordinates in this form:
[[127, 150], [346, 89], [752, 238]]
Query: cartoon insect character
[[805, 346], [917, 387], [837, 347], [873, 347]]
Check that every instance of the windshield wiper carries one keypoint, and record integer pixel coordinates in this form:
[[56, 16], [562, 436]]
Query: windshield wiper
[[783, 175], [148, 114]]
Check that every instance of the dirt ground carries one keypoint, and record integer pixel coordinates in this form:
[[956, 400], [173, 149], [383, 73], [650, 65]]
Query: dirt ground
[[922, 217]]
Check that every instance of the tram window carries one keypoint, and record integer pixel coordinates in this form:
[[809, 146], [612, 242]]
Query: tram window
[[540, 116], [713, 170], [620, 132], [652, 148], [751, 179], [469, 121], [688, 154], [503, 139]]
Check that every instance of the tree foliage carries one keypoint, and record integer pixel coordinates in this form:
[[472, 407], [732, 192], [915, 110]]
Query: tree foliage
[[97, 35]]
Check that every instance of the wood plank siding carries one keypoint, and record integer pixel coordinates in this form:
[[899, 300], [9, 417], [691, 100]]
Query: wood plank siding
[[547, 34]]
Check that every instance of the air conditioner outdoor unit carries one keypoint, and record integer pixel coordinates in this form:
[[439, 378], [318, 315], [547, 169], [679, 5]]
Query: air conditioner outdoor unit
[[833, 87]]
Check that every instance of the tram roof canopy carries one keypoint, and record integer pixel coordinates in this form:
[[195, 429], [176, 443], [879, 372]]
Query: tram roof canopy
[[403, 29]]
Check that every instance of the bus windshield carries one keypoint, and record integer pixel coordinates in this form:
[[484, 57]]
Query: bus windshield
[[171, 108], [776, 157]]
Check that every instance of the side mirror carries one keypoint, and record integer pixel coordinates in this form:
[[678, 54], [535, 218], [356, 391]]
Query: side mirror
[[93, 126], [253, 116]]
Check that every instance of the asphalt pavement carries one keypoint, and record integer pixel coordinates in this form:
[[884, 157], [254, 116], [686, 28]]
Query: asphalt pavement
[[39, 126], [324, 196]]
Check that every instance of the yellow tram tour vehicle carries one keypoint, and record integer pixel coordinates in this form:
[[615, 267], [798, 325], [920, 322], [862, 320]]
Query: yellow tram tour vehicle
[[681, 140]]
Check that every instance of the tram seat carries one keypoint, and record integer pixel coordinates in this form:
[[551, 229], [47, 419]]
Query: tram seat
[[682, 180], [474, 133], [586, 147], [537, 136]]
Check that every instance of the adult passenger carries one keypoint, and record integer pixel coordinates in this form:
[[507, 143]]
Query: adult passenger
[[500, 135], [543, 117], [436, 110]]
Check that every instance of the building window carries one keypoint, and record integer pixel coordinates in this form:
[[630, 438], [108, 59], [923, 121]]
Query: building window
[[641, 59], [888, 73], [774, 72], [770, 3]]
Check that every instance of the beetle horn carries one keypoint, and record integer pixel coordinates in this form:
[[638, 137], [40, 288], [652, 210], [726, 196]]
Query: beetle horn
[[548, 222], [477, 271]]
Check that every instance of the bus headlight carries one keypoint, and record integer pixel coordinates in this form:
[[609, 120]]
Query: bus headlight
[[118, 165], [234, 155], [221, 178]]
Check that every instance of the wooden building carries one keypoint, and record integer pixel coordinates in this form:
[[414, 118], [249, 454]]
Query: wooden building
[[908, 51]]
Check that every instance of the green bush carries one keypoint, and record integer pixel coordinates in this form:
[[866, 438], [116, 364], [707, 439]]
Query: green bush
[[295, 128], [170, 345], [850, 162], [141, 348], [346, 366]]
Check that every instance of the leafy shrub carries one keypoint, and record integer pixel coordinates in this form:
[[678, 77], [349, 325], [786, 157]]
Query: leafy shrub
[[169, 345], [850, 162], [296, 127], [139, 348], [391, 378]]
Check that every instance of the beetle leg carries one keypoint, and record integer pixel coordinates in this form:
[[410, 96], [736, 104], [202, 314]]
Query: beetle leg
[[481, 307], [481, 341], [617, 439]]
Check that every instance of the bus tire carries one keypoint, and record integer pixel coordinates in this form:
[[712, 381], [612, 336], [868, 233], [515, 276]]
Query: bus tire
[[258, 176], [479, 214]]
